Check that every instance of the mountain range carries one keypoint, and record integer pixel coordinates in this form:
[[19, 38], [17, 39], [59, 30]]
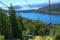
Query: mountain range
[[33, 6], [36, 5], [15, 7], [47, 9], [54, 9], [42, 8], [19, 7]]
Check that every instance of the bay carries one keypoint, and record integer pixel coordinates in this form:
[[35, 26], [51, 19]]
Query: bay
[[47, 18]]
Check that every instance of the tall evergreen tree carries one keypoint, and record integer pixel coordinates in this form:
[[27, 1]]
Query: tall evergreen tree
[[14, 24]]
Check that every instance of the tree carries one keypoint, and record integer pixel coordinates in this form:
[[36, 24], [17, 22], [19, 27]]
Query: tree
[[21, 25], [3, 24], [14, 24]]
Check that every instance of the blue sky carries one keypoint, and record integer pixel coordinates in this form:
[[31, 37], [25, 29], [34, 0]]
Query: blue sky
[[22, 2]]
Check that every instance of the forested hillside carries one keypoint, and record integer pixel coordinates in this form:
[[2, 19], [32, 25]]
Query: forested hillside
[[54, 8], [13, 26]]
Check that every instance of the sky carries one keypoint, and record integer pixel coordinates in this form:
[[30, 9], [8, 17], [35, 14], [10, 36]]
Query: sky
[[22, 2]]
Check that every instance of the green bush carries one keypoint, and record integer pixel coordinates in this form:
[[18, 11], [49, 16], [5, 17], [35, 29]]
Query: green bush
[[1, 37], [57, 37]]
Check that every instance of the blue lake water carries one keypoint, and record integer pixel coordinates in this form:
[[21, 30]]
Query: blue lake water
[[55, 19]]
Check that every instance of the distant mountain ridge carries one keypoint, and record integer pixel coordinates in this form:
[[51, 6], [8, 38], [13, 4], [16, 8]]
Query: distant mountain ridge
[[36, 5], [15, 7], [55, 9], [31, 5]]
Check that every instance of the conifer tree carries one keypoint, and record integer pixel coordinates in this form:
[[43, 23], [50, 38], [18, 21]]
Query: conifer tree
[[14, 24]]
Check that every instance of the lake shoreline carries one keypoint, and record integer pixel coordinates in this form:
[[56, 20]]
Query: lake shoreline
[[41, 12]]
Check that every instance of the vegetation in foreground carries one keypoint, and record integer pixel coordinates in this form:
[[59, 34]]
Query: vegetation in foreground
[[55, 36], [16, 27]]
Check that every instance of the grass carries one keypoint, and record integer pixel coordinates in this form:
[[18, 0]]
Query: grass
[[1, 37], [34, 38], [42, 38]]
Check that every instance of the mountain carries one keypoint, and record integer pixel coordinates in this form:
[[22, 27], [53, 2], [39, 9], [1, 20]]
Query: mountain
[[26, 7], [30, 7], [15, 7], [55, 9], [36, 5]]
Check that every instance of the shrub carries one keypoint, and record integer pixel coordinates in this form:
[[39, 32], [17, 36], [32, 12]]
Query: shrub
[[57, 37]]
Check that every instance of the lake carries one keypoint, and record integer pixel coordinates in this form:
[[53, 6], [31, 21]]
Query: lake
[[55, 19]]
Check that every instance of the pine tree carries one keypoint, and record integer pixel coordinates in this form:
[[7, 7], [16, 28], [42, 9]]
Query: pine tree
[[14, 24]]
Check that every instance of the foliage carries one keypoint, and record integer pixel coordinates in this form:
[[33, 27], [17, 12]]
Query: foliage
[[14, 26], [57, 37], [1, 37]]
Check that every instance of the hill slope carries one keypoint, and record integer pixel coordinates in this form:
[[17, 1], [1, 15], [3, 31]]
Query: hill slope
[[55, 9]]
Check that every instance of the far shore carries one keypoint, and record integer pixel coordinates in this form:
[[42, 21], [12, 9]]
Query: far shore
[[39, 11]]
